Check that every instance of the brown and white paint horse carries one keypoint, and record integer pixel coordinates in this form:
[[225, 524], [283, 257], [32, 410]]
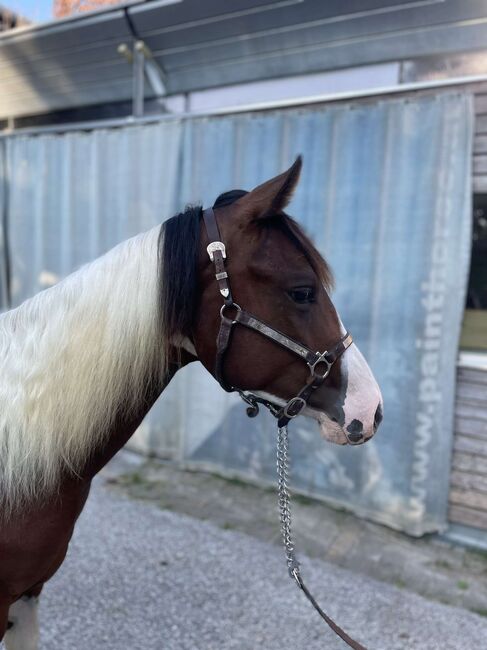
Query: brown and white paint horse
[[83, 362]]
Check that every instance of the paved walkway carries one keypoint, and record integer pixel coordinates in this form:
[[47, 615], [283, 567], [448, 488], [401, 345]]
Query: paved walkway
[[429, 566], [141, 578]]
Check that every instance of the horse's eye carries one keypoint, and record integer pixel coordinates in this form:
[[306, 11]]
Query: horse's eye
[[302, 295]]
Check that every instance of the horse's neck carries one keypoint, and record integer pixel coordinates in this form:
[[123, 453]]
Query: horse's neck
[[124, 426]]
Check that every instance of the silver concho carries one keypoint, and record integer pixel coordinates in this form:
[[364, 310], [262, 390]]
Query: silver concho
[[216, 246]]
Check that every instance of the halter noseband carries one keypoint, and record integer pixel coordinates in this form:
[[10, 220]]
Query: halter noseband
[[231, 314]]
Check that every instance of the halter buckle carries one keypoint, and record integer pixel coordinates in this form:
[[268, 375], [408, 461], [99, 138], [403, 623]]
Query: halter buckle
[[216, 246], [314, 367]]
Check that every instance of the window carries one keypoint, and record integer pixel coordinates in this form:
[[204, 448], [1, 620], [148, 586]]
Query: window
[[474, 333]]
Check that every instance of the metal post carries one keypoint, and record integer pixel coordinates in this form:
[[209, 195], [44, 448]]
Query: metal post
[[138, 81]]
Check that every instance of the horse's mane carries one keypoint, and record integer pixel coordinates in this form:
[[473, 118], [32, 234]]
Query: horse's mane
[[178, 259], [71, 358]]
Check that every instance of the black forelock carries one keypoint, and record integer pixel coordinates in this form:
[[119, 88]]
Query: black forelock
[[227, 198]]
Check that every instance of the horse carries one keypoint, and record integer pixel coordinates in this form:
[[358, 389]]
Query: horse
[[84, 361]]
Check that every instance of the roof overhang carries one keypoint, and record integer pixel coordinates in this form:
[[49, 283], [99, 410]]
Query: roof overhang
[[192, 45]]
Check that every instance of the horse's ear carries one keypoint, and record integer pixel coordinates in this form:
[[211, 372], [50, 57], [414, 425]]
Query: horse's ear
[[271, 197]]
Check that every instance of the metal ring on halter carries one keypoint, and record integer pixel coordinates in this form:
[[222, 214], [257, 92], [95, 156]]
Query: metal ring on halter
[[297, 402], [321, 359], [230, 306]]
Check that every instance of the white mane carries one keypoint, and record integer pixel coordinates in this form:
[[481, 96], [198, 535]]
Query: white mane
[[69, 359]]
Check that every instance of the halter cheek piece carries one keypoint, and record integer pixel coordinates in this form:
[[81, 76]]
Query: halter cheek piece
[[231, 314]]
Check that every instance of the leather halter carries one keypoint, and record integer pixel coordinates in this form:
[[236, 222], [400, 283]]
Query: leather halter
[[231, 314], [319, 364]]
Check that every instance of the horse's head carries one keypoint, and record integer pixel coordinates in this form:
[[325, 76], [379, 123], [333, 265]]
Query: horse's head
[[276, 274]]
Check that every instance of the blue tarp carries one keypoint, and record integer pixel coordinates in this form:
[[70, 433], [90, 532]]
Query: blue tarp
[[386, 194]]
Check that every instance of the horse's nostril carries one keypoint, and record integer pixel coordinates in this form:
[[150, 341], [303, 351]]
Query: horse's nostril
[[355, 431], [378, 417], [355, 426]]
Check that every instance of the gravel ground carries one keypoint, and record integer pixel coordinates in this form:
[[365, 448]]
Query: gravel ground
[[138, 577]]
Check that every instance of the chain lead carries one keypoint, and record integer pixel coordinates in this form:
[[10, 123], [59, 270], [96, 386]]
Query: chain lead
[[284, 501], [285, 519]]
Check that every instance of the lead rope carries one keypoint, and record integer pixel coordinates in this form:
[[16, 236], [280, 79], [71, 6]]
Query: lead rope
[[287, 540]]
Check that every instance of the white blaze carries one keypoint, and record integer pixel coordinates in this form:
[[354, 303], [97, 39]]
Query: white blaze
[[361, 393]]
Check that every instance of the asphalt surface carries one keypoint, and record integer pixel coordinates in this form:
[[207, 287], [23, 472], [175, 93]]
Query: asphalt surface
[[138, 577]]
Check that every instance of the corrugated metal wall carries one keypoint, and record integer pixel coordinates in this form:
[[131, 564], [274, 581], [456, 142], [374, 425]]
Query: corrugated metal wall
[[386, 194], [73, 196]]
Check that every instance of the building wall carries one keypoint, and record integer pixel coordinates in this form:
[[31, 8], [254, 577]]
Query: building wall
[[468, 486], [9, 19], [480, 140], [468, 491]]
